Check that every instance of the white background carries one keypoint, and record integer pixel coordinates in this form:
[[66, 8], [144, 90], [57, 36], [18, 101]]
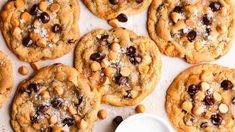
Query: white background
[[154, 103]]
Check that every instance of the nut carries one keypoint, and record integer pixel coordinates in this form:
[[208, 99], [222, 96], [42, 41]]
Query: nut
[[217, 97], [53, 119], [104, 63], [43, 6], [82, 124], [197, 110], [143, 69], [35, 65], [125, 71], [208, 114], [95, 66], [59, 90], [34, 36], [199, 96], [55, 7], [140, 108], [175, 16], [115, 47], [114, 23], [45, 95], [109, 71], [19, 3], [190, 22], [26, 16], [204, 86], [72, 110], [113, 55], [198, 45], [42, 43], [23, 70], [146, 60], [102, 114], [187, 106], [223, 108]]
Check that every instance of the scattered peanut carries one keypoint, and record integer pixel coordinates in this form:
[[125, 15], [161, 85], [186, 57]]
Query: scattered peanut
[[109, 71], [45, 95], [26, 16], [115, 47], [35, 65], [102, 114], [55, 7], [23, 70], [43, 6], [95, 66], [114, 23], [104, 63], [140, 108]]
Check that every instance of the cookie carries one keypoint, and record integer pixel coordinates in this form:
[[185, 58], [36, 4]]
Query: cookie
[[111, 9], [56, 98], [6, 78], [125, 66], [196, 30], [202, 98], [40, 29]]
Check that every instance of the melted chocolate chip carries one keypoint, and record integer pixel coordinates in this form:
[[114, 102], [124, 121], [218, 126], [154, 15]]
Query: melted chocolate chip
[[136, 59], [34, 10], [114, 2], [56, 28], [104, 37], [216, 119], [130, 51], [206, 20], [44, 17], [56, 103], [192, 90], [97, 57], [139, 1], [178, 9], [43, 108], [34, 86], [215, 6], [117, 120], [121, 80], [27, 42], [34, 118], [128, 94], [192, 35], [233, 101], [160, 8], [209, 100], [69, 121], [226, 84], [204, 125], [122, 18]]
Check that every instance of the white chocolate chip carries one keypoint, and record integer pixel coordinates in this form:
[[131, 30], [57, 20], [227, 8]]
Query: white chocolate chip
[[217, 97], [223, 108], [204, 86]]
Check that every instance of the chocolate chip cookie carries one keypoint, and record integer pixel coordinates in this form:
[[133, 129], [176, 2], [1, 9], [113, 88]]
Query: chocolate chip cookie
[[195, 30], [111, 9], [124, 65], [202, 98], [56, 98], [40, 29], [6, 77]]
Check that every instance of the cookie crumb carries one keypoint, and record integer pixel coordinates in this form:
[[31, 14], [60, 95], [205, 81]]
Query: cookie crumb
[[23, 70], [35, 66], [102, 114], [140, 108]]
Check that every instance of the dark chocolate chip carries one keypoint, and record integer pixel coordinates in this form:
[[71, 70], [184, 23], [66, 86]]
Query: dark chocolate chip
[[178, 9], [208, 30], [97, 57], [27, 41], [121, 80], [128, 94], [139, 1], [204, 125], [193, 89], [216, 119], [72, 41], [215, 6], [34, 10], [160, 8], [56, 28], [206, 20], [104, 37], [135, 59], [34, 118], [114, 2], [117, 120], [192, 35], [209, 100], [122, 18], [69, 121], [131, 51], [56, 103], [43, 108], [226, 84], [80, 99], [233, 101], [34, 86], [44, 17]]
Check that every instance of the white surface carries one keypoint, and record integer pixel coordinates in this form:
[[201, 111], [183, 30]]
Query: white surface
[[144, 123], [154, 103]]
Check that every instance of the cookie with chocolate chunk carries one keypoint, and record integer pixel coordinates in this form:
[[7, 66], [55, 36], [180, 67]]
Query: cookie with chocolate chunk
[[111, 9], [56, 98], [124, 65], [40, 29], [202, 98], [196, 30], [6, 77]]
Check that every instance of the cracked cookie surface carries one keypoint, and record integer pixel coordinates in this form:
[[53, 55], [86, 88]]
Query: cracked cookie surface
[[56, 98], [40, 29], [6, 77], [202, 98], [198, 30], [126, 66], [110, 9]]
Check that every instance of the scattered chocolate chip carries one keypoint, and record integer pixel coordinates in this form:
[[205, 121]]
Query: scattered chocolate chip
[[122, 18], [128, 94], [130, 51], [193, 89], [56, 28], [135, 59], [27, 41], [139, 1], [114, 2], [34, 86], [34, 10], [34, 118], [215, 6], [206, 20], [121, 80], [209, 100], [192, 35], [44, 17], [69, 121], [233, 101], [226, 84], [204, 125], [43, 108], [216, 119], [97, 57], [178, 9], [117, 120], [56, 103]]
